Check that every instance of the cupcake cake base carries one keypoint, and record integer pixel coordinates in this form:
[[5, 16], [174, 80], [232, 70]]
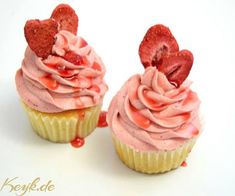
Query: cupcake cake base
[[152, 162], [65, 126]]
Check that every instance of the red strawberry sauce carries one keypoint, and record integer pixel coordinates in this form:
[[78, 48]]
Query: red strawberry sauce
[[102, 119], [77, 142], [184, 164]]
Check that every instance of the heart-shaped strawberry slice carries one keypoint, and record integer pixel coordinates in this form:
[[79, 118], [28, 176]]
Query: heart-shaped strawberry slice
[[176, 66], [40, 36], [66, 17], [157, 42]]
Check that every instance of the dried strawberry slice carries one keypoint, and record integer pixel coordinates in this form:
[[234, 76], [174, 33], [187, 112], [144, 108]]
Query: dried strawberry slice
[[74, 58], [157, 42], [176, 66], [66, 17], [40, 36]]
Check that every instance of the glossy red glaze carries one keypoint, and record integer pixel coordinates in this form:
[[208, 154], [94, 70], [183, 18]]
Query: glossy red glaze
[[95, 88], [65, 72], [138, 118], [102, 119], [184, 164], [151, 101], [81, 115], [49, 82], [96, 66], [196, 132], [77, 142]]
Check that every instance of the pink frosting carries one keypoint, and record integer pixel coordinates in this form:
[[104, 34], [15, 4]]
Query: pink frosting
[[55, 84], [149, 113]]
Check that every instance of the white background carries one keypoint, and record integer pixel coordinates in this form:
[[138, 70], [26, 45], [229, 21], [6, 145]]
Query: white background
[[115, 29]]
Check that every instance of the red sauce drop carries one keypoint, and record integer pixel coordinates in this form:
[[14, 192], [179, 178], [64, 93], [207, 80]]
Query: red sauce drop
[[74, 80], [81, 115], [96, 66], [140, 120], [65, 72], [77, 142], [95, 88], [184, 164], [83, 43], [151, 101], [195, 132], [49, 82], [76, 89], [102, 119], [85, 60], [52, 65]]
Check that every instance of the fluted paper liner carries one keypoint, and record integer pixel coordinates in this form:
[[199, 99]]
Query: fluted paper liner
[[152, 162], [65, 126]]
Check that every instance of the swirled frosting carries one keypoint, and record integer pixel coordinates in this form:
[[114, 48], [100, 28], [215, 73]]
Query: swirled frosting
[[55, 84], [149, 113]]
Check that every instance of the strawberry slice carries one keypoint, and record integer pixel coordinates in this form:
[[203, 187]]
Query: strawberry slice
[[66, 17], [176, 66], [40, 36], [157, 42], [74, 58]]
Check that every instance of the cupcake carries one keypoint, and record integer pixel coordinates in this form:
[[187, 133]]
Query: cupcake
[[60, 81], [154, 117]]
